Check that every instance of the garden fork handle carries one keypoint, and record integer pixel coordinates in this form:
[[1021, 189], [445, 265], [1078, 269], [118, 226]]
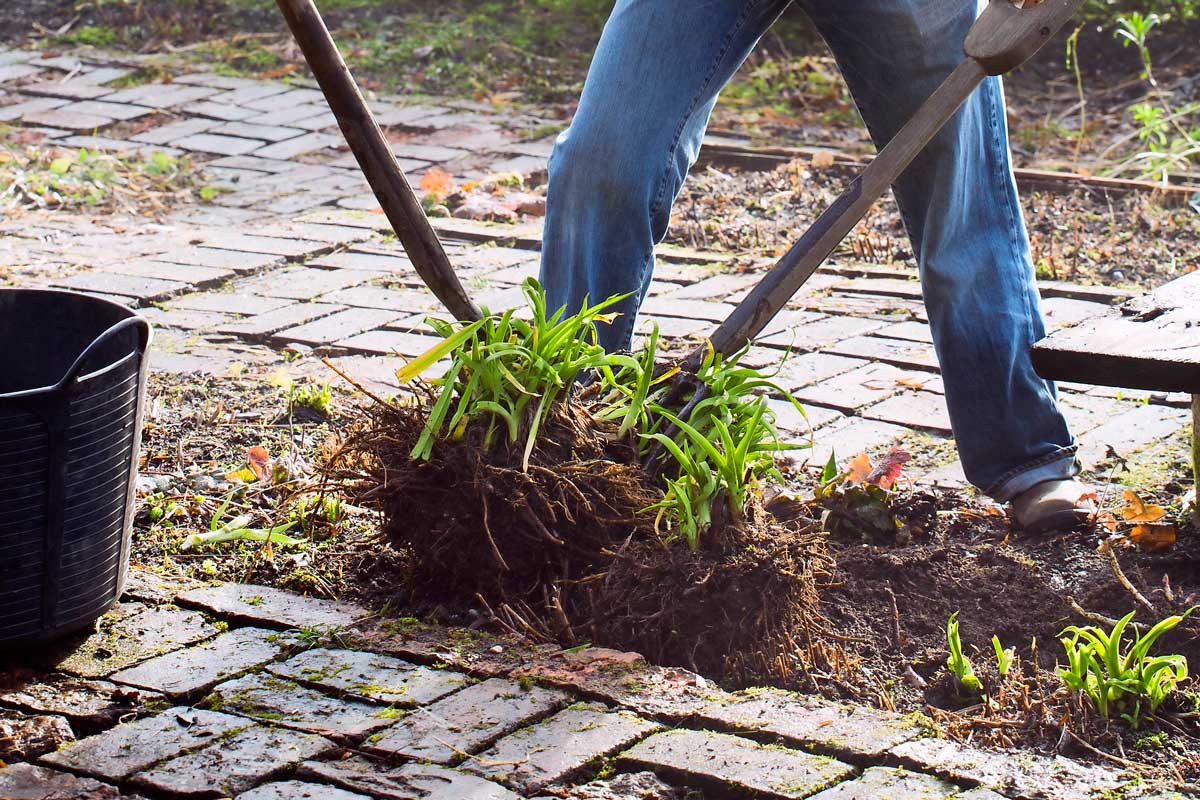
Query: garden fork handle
[[376, 159], [1001, 39]]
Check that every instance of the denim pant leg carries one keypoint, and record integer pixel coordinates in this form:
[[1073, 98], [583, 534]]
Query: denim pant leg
[[616, 171], [960, 206]]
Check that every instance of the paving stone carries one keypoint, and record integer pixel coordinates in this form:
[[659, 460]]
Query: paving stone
[[237, 260], [1063, 312], [17, 110], [186, 320], [806, 369], [370, 262], [341, 325], [298, 146], [849, 439], [265, 324], [555, 750], [161, 95], [173, 130], [735, 764], [287, 116], [371, 676], [226, 302], [298, 790], [30, 782], [269, 245], [1086, 412], [268, 165], [711, 311], [250, 130], [390, 342], [286, 99], [102, 75], [910, 330], [27, 736], [203, 666], [123, 641], [626, 786], [222, 111], [70, 90], [235, 763], [839, 729], [916, 355], [409, 301], [669, 327], [427, 152], [788, 420], [12, 72], [118, 111], [281, 702], [919, 410], [886, 287], [409, 782], [217, 144], [105, 144], [303, 282], [1130, 431], [820, 334], [272, 607], [947, 476], [67, 118], [1024, 776], [852, 390], [87, 704], [125, 285], [467, 721], [893, 784], [165, 270], [133, 746]]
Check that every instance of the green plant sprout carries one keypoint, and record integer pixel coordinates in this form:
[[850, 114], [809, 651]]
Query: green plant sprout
[[1004, 657], [958, 664], [313, 396], [1129, 681]]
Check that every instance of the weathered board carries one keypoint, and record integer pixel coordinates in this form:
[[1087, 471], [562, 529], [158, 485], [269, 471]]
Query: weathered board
[[1150, 342]]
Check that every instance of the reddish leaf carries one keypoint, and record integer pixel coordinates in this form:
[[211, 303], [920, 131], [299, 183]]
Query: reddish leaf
[[259, 461], [889, 467], [1138, 511], [437, 183], [1153, 537]]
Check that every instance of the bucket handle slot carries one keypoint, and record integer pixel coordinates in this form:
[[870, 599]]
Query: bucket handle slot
[[72, 373]]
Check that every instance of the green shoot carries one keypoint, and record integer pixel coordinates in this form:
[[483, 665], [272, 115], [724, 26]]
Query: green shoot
[[1004, 657], [959, 664]]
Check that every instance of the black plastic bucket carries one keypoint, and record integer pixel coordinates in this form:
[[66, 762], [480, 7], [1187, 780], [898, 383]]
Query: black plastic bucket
[[72, 379]]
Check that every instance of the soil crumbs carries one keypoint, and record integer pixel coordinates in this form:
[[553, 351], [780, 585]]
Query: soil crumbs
[[820, 602]]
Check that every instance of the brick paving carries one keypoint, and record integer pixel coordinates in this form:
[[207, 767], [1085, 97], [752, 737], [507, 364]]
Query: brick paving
[[293, 252], [358, 707]]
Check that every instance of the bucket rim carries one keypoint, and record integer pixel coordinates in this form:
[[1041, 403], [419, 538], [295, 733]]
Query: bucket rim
[[129, 313]]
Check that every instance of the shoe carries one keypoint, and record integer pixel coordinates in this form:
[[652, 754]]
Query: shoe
[[1053, 504]]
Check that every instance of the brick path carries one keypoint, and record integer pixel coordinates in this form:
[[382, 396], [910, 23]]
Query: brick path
[[253, 692], [294, 254], [225, 699]]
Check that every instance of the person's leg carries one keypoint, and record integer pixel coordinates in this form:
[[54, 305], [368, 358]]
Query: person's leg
[[960, 206], [616, 171]]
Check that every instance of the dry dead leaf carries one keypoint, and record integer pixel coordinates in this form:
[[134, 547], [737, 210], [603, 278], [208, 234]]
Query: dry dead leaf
[[822, 158], [259, 461], [1138, 511], [437, 183], [1153, 537], [859, 469]]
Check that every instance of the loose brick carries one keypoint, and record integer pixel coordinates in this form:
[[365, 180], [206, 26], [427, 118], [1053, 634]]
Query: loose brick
[[717, 287], [250, 130], [726, 761], [427, 152], [298, 790], [286, 116], [30, 782], [86, 703], [281, 702], [916, 355], [338, 326], [161, 95], [124, 285], [1029, 777], [217, 144], [273, 607], [12, 72], [555, 750], [270, 245], [187, 320], [910, 331], [67, 118], [286, 99], [410, 782], [18, 110], [371, 676], [711, 311], [331, 234], [920, 410], [235, 763], [894, 784], [121, 751], [71, 90], [120, 111], [221, 111], [123, 641], [409, 301], [467, 721], [202, 667], [809, 368], [304, 283], [885, 287], [820, 334], [165, 270], [294, 314], [370, 262]]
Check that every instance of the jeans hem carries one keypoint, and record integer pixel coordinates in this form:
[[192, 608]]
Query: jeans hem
[[1059, 465]]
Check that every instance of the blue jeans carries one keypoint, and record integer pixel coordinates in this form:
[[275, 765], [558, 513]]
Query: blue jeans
[[654, 79]]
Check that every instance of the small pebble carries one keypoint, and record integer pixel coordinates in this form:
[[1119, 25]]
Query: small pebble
[[497, 649]]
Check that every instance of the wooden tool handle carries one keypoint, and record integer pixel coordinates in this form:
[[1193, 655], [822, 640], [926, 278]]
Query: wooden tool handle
[[1005, 36], [375, 157]]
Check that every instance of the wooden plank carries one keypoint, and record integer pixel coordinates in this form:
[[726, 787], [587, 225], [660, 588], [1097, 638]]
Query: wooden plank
[[1150, 342]]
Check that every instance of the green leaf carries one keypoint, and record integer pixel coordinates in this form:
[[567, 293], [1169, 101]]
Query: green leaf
[[61, 165], [431, 356]]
